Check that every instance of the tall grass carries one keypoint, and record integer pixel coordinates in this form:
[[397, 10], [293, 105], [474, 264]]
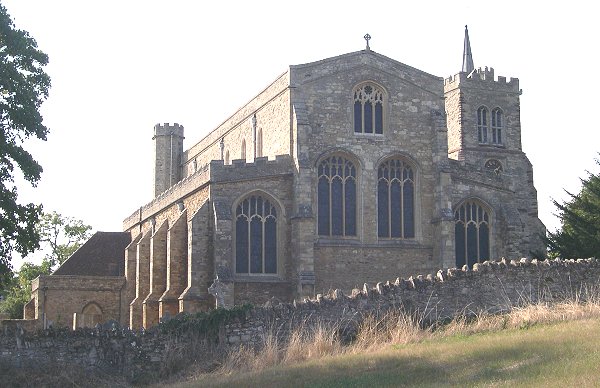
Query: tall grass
[[399, 327]]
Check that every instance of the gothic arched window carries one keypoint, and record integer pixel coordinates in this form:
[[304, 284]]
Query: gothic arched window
[[497, 126], [337, 197], [472, 233], [395, 200], [368, 109], [255, 236], [482, 124]]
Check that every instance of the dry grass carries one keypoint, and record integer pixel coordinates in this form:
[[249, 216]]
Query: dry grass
[[397, 328]]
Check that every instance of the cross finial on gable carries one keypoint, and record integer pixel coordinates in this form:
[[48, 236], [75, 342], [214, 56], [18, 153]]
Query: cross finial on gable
[[367, 38]]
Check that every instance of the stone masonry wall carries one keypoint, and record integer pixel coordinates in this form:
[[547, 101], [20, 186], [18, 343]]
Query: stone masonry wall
[[272, 110], [491, 286], [60, 296], [323, 102]]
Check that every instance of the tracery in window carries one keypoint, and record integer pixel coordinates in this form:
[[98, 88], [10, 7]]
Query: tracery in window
[[482, 124], [396, 200], [243, 150], [472, 233], [337, 197], [256, 236], [497, 126], [368, 109]]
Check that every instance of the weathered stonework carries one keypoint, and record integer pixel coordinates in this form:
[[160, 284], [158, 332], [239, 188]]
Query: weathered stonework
[[492, 287], [271, 149]]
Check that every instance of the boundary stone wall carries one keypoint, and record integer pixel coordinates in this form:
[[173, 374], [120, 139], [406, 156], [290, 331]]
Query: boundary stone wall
[[492, 287]]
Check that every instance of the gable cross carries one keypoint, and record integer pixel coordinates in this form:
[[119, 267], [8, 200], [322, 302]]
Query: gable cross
[[367, 38]]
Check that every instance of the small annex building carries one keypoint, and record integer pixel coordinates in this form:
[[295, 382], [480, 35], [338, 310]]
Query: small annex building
[[351, 169]]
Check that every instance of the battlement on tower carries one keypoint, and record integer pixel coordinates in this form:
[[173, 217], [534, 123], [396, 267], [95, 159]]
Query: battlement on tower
[[167, 129], [482, 78]]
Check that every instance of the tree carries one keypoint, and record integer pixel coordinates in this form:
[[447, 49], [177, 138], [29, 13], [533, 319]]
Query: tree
[[579, 236], [60, 237], [63, 236], [23, 87]]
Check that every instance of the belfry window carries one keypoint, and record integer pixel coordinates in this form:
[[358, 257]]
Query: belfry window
[[396, 200], [368, 109], [256, 236], [482, 125], [472, 234], [497, 126], [337, 197]]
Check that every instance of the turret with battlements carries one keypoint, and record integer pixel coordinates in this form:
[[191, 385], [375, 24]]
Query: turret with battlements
[[168, 150]]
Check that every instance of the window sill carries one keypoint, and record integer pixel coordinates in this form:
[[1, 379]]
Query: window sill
[[405, 242], [372, 136], [240, 278], [332, 241], [492, 145]]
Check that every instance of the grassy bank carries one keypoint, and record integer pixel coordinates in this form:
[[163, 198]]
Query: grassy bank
[[560, 355], [535, 346]]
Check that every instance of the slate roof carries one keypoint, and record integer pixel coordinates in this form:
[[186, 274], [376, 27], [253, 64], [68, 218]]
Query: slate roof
[[102, 255]]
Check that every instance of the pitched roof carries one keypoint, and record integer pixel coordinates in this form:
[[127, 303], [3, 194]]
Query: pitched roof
[[102, 255]]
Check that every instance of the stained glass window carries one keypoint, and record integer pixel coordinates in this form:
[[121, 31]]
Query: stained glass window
[[256, 236], [471, 233], [396, 200], [336, 197]]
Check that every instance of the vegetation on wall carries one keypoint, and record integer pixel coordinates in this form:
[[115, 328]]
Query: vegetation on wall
[[579, 236], [23, 87], [205, 323]]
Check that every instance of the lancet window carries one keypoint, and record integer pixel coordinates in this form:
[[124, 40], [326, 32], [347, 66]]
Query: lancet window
[[482, 124], [497, 126]]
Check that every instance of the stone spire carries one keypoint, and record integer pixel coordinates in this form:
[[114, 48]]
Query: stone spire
[[467, 66]]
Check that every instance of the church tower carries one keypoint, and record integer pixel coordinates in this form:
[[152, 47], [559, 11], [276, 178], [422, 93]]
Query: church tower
[[483, 114], [168, 153]]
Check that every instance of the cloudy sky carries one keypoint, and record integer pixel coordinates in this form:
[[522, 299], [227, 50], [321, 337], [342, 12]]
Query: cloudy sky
[[120, 67]]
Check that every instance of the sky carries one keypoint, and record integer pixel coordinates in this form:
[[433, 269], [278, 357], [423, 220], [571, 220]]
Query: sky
[[120, 67]]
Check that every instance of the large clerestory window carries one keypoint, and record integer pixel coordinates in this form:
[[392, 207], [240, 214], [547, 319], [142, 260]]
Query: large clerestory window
[[336, 197], [396, 199], [472, 233], [368, 109], [256, 236]]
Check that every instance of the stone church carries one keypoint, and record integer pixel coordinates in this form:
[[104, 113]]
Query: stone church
[[352, 169]]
